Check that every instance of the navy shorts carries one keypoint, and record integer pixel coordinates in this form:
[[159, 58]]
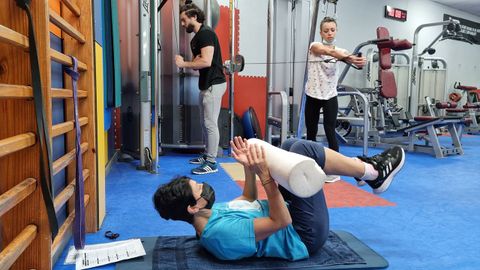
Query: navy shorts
[[309, 215]]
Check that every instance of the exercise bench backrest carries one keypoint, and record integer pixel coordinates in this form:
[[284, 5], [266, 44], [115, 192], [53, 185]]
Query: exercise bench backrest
[[386, 76], [389, 86], [384, 48]]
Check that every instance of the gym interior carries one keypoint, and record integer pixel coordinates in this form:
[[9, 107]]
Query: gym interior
[[99, 109]]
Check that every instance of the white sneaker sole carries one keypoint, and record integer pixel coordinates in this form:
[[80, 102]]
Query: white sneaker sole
[[212, 171], [389, 179]]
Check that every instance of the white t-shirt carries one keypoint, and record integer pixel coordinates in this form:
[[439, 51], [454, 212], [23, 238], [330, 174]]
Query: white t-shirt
[[322, 76]]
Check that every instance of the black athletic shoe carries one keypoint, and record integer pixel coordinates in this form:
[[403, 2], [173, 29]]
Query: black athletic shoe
[[388, 164], [207, 167], [199, 160]]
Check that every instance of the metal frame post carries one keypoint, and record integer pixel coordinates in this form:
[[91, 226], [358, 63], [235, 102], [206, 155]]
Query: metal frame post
[[231, 81], [270, 37], [313, 28], [145, 82], [155, 71]]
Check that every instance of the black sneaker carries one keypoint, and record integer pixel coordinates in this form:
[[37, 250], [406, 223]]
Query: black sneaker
[[199, 160], [207, 167], [388, 164]]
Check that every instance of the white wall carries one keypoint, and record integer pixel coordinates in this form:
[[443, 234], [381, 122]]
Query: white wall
[[358, 20]]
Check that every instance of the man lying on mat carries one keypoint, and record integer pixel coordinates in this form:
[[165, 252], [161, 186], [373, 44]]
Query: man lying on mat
[[284, 226]]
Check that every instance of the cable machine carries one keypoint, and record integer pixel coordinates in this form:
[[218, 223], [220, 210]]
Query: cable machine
[[179, 119], [451, 30]]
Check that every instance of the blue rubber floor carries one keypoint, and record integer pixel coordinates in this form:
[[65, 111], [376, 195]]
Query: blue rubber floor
[[435, 224]]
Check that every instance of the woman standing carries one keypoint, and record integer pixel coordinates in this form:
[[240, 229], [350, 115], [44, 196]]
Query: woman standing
[[321, 88]]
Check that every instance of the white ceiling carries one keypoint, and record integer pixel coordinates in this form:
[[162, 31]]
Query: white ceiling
[[470, 6]]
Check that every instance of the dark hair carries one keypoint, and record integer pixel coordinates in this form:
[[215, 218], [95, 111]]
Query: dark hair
[[192, 10], [171, 200], [327, 20]]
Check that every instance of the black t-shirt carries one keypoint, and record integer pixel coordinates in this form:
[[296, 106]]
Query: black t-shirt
[[213, 74]]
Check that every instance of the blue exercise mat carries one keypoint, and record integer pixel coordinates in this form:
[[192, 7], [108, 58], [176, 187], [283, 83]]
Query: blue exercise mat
[[341, 251]]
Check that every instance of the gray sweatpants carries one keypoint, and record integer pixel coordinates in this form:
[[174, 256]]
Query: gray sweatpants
[[210, 103]]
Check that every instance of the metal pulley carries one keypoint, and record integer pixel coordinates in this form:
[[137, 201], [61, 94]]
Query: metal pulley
[[236, 65]]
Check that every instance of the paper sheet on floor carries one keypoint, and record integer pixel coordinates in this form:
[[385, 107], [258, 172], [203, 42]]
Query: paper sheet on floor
[[102, 254]]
